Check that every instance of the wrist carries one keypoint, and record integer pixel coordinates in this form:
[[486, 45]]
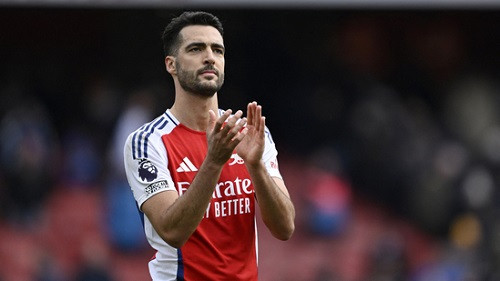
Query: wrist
[[212, 165], [255, 166]]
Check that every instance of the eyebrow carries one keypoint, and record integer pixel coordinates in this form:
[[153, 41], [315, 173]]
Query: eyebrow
[[201, 44]]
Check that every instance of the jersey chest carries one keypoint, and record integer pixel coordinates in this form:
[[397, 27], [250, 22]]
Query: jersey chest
[[186, 152]]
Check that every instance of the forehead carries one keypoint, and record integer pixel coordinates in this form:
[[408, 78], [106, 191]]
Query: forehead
[[201, 33]]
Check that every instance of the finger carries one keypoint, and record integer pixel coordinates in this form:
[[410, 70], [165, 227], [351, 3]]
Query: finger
[[235, 117], [258, 117], [251, 112], [240, 136], [232, 121], [262, 126], [239, 126], [211, 121], [237, 134], [233, 129], [220, 122]]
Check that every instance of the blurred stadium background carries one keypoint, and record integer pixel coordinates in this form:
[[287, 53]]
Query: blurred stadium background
[[386, 115]]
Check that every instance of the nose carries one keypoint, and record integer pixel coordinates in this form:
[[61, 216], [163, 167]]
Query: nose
[[209, 57]]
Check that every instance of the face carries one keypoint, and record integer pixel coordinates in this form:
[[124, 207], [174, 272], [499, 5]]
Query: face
[[199, 64]]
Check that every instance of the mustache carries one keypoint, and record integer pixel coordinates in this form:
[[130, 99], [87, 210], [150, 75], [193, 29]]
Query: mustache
[[209, 68]]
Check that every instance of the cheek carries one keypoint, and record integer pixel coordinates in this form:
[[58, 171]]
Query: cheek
[[221, 66]]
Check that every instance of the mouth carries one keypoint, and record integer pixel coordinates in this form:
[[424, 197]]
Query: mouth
[[209, 72]]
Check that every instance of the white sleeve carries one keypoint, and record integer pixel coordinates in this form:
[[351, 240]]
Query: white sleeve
[[270, 156], [147, 173]]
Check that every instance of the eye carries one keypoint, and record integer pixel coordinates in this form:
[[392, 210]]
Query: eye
[[195, 49], [219, 51]]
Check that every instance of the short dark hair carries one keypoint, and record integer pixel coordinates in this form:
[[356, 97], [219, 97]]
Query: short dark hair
[[170, 37]]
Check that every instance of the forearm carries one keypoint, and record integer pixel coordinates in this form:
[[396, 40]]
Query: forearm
[[277, 210], [175, 217], [182, 218]]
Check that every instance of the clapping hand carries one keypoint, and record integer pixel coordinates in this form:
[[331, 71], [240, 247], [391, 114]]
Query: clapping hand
[[251, 147], [222, 136]]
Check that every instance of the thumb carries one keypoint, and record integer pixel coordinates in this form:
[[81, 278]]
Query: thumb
[[211, 121]]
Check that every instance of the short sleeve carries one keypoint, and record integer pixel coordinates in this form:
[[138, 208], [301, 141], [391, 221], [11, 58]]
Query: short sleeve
[[147, 173], [270, 156]]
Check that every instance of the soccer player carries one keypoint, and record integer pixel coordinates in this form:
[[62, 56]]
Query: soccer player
[[198, 172]]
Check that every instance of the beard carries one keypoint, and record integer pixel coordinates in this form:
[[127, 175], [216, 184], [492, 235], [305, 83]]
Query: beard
[[190, 81]]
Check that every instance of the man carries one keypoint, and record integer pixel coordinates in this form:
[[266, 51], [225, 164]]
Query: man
[[197, 171]]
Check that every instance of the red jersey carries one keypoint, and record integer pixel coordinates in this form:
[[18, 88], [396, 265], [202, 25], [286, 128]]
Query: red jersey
[[165, 155]]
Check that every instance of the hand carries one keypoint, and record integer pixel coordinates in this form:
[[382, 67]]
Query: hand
[[223, 138], [251, 147]]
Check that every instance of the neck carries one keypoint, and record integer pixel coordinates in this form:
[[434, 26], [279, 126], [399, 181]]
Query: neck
[[192, 110]]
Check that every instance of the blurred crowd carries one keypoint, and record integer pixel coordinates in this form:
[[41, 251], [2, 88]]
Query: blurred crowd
[[387, 124]]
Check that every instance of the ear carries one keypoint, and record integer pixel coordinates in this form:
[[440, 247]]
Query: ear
[[170, 65]]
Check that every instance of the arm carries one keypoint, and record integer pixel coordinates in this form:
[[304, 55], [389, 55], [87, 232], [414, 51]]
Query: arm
[[175, 217], [278, 212]]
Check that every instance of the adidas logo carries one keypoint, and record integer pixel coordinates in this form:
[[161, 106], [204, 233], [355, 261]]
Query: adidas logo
[[186, 166]]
